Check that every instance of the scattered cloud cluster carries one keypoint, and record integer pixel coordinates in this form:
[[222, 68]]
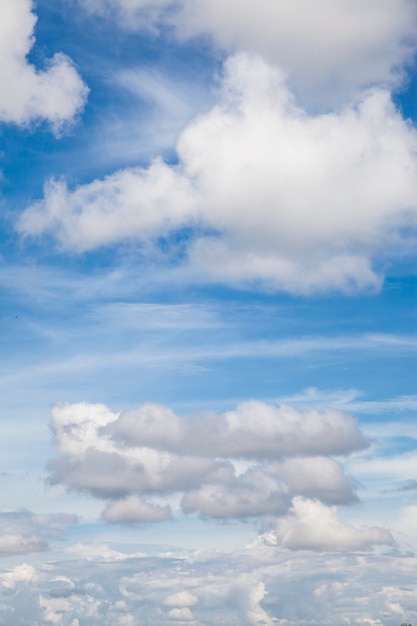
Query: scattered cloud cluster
[[271, 194], [313, 526], [257, 461], [55, 94]]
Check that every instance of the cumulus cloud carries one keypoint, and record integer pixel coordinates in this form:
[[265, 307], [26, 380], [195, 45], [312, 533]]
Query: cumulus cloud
[[134, 510], [270, 194], [123, 456], [21, 573], [314, 526], [55, 94], [23, 531], [90, 460], [253, 494], [116, 474], [317, 477], [253, 430], [183, 614], [318, 43], [180, 599], [56, 610]]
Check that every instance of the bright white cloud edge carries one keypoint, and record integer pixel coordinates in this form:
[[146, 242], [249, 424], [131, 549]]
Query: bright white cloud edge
[[274, 197], [318, 43], [56, 94]]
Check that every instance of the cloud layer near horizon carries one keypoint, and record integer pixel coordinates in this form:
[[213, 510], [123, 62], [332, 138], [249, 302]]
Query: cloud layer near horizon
[[268, 193], [253, 586]]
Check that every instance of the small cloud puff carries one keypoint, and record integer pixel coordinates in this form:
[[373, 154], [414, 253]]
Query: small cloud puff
[[134, 510], [181, 599], [312, 525], [55, 94]]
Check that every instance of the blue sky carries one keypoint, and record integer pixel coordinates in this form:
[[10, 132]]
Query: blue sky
[[208, 301]]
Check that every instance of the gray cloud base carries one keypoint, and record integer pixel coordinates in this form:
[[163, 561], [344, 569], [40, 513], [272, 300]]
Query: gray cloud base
[[250, 462]]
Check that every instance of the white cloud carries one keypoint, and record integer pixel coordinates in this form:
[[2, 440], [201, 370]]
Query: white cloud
[[134, 510], [123, 456], [183, 614], [23, 531], [331, 48], [181, 598], [317, 477], [314, 526], [117, 474], [253, 494], [247, 596], [253, 430], [56, 610], [273, 195], [21, 573], [134, 203], [55, 94], [259, 585]]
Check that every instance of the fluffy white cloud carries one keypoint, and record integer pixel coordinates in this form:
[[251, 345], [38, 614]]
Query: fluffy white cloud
[[134, 510], [253, 430], [56, 610], [90, 460], [319, 43], [122, 456], [21, 573], [181, 598], [134, 203], [271, 194], [55, 94], [183, 614], [117, 474], [314, 526], [252, 494], [317, 477], [329, 47]]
